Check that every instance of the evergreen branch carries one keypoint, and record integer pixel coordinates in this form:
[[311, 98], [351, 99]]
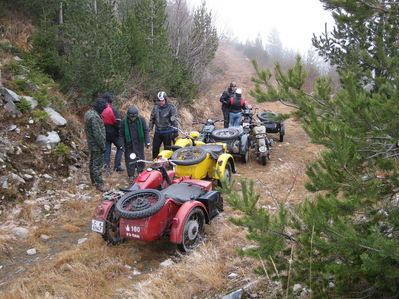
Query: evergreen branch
[[288, 104]]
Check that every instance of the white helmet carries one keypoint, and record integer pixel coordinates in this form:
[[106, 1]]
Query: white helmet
[[162, 96]]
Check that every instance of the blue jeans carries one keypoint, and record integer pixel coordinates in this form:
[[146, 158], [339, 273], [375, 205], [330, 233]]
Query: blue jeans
[[235, 119], [118, 155]]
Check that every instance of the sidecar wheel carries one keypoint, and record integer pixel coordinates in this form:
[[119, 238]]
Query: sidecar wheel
[[140, 204], [266, 116], [193, 231], [225, 134], [188, 155], [111, 232]]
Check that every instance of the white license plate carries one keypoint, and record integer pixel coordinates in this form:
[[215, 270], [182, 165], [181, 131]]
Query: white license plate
[[97, 226]]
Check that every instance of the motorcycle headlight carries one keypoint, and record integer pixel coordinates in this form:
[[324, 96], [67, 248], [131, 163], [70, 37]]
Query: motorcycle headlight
[[262, 149]]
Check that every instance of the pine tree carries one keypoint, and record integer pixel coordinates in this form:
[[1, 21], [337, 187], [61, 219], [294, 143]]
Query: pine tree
[[348, 234]]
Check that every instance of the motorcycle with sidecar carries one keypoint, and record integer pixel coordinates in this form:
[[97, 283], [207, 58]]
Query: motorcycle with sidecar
[[268, 118], [179, 209], [206, 161]]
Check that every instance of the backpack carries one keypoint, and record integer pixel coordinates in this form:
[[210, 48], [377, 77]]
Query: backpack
[[108, 116], [241, 102]]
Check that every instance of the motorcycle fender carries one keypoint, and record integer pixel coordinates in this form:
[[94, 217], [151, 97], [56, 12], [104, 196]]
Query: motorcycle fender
[[221, 164], [244, 144], [183, 142], [180, 219], [165, 154], [102, 209]]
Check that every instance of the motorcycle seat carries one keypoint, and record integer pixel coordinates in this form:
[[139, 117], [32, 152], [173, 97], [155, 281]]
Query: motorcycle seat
[[215, 150], [183, 192]]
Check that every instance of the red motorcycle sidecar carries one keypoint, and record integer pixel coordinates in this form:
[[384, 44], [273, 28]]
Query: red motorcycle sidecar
[[180, 211]]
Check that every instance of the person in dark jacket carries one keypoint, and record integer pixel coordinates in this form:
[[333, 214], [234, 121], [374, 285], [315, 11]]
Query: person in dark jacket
[[135, 135], [95, 134], [237, 104], [225, 100], [112, 122], [164, 118]]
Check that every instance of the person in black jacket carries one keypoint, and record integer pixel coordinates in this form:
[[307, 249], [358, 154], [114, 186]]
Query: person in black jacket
[[164, 118], [225, 100], [112, 122], [135, 135]]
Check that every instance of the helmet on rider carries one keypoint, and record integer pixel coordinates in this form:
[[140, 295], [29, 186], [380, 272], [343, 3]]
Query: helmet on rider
[[162, 96], [233, 84]]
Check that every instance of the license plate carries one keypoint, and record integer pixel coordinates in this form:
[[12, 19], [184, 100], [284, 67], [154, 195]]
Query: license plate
[[97, 226]]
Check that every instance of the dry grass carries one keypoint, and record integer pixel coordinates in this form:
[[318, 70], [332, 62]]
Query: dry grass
[[17, 30]]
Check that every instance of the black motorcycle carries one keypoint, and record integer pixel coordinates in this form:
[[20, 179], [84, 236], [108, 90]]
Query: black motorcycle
[[207, 129]]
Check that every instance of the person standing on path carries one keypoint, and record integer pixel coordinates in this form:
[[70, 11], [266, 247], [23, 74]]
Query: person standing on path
[[225, 100], [112, 122], [237, 104], [135, 135], [95, 134], [164, 118]]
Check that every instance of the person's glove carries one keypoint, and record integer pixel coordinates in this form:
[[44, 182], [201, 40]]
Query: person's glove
[[147, 145]]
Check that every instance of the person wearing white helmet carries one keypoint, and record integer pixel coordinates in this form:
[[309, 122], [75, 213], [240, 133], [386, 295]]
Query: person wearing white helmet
[[237, 104], [164, 118]]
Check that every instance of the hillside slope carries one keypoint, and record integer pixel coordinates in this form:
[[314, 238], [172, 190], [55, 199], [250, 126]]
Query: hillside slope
[[72, 262]]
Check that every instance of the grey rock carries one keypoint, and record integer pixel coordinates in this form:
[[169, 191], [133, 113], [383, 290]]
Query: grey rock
[[12, 128], [44, 237], [234, 295], [20, 232], [82, 240], [297, 287], [16, 178], [27, 177], [166, 263], [31, 251], [17, 58], [51, 138], [33, 103], [55, 117], [233, 275], [4, 182]]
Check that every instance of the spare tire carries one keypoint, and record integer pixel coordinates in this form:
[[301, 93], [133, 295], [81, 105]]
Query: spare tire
[[188, 156], [267, 116], [140, 204], [225, 134]]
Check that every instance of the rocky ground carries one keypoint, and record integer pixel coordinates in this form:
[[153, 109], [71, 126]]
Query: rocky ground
[[46, 232]]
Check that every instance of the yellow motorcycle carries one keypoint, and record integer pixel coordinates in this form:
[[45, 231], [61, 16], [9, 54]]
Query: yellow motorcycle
[[205, 161]]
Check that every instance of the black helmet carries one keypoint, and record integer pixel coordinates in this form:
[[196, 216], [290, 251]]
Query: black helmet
[[109, 97], [161, 96], [233, 84], [100, 105], [132, 111]]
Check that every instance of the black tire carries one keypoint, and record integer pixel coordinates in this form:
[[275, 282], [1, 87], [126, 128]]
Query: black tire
[[266, 116], [225, 134], [111, 233], [245, 157], [282, 133], [264, 160], [193, 230], [140, 204], [188, 155], [228, 173]]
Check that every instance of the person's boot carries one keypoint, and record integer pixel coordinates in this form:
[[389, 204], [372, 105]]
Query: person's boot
[[119, 169], [102, 188]]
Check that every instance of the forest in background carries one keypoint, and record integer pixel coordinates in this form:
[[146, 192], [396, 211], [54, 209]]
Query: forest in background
[[92, 46]]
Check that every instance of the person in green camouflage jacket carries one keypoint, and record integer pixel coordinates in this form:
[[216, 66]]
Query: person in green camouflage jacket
[[95, 134]]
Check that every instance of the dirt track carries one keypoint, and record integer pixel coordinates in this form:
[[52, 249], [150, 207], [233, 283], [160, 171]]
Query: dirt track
[[281, 180]]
